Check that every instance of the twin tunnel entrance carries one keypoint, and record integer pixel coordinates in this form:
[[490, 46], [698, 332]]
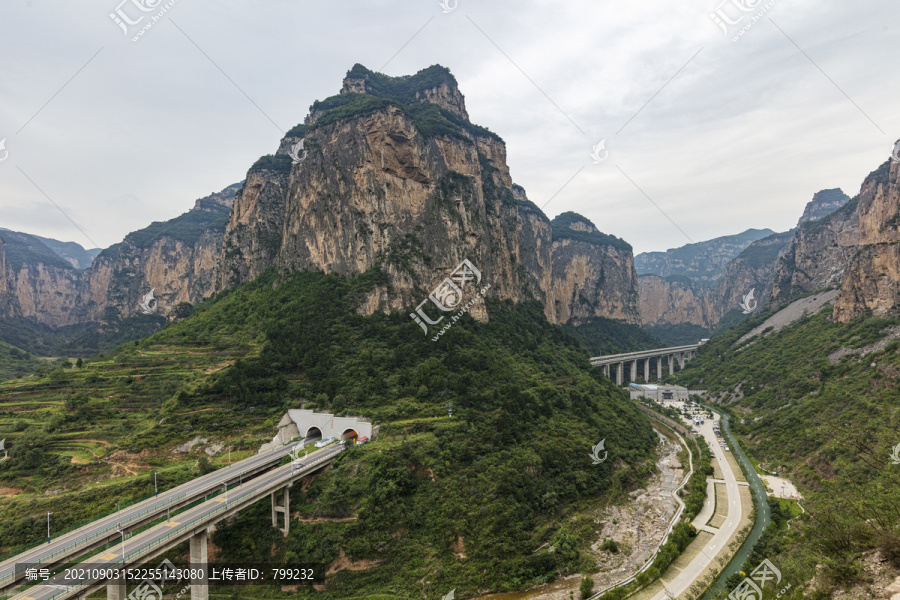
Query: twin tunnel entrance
[[314, 433]]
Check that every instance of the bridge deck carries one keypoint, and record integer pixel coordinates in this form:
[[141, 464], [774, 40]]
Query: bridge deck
[[628, 356], [142, 547], [75, 543]]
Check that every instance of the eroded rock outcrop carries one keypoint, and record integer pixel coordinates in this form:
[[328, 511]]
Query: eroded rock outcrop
[[872, 279]]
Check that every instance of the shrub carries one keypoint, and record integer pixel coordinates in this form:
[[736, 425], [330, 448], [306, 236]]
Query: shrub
[[586, 588]]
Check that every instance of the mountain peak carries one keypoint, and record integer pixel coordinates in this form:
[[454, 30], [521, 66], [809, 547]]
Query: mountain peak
[[436, 85], [573, 226], [823, 204]]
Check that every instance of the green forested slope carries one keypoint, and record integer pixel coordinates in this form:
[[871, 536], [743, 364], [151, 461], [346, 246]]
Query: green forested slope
[[828, 425], [495, 483]]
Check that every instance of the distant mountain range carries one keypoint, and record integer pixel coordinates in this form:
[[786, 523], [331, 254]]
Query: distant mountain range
[[32, 246], [702, 261]]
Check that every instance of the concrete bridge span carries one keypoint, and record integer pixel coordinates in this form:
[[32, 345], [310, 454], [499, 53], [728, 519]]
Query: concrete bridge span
[[614, 364]]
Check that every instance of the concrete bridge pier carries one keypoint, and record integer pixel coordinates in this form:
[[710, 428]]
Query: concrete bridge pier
[[199, 587], [671, 364], [620, 367], [634, 370], [658, 368], [681, 361], [115, 590], [646, 370], [284, 508], [606, 371]]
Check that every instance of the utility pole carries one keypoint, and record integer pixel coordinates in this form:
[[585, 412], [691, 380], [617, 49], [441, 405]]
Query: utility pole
[[48, 526]]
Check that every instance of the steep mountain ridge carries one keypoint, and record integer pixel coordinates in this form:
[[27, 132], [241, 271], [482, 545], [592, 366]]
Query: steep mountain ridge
[[387, 176], [391, 175], [823, 204], [776, 266], [178, 259], [873, 272]]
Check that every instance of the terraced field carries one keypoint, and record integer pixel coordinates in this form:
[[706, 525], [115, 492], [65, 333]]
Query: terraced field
[[83, 439]]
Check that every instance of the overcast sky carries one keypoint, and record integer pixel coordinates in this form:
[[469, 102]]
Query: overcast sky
[[706, 136]]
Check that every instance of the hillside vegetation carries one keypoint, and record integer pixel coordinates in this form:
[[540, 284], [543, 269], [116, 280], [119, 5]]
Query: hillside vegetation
[[818, 402], [493, 483]]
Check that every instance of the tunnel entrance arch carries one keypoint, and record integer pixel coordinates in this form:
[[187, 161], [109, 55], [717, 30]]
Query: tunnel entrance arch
[[350, 435], [313, 432]]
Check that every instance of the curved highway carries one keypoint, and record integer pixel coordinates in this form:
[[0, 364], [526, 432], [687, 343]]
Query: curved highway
[[75, 543], [160, 537]]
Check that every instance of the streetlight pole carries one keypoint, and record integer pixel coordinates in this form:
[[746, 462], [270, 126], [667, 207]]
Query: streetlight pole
[[48, 526], [226, 494], [229, 456], [155, 488], [122, 532]]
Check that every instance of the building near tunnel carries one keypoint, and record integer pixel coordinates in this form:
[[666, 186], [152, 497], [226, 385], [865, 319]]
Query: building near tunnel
[[301, 423], [658, 392]]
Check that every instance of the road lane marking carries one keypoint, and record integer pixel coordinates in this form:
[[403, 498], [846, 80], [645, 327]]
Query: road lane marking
[[109, 556], [172, 524]]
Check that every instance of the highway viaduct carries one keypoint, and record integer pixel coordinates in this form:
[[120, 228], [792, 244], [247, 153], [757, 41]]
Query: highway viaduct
[[191, 525], [616, 362]]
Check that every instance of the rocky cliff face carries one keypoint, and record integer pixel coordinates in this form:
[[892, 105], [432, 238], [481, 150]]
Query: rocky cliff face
[[677, 300], [389, 175], [823, 204], [178, 259], [872, 279], [777, 267], [753, 269], [393, 176], [817, 255], [591, 275]]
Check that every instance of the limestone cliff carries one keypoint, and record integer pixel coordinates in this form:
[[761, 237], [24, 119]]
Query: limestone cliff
[[677, 299], [35, 282], [592, 274], [178, 259], [391, 175], [872, 279], [817, 255], [753, 269], [823, 204]]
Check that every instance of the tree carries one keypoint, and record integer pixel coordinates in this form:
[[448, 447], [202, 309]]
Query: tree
[[204, 465], [586, 588], [79, 363]]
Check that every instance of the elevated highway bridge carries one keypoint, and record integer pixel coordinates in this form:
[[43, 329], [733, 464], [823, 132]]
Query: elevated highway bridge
[[614, 364], [244, 483]]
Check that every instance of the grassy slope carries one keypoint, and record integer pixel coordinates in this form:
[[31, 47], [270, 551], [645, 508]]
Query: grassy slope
[[828, 426], [15, 362], [500, 475]]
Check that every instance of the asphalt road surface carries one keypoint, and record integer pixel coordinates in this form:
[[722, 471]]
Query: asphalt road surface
[[689, 574]]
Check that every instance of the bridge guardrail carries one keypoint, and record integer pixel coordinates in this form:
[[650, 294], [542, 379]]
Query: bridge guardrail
[[179, 530], [74, 544]]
